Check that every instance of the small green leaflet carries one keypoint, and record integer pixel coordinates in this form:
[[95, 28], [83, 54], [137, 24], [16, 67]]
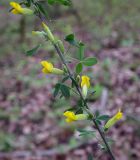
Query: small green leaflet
[[103, 117], [84, 132], [79, 68], [63, 2], [28, 3], [71, 39], [57, 89], [81, 50], [90, 61], [64, 90], [33, 51], [79, 110], [42, 9], [65, 79]]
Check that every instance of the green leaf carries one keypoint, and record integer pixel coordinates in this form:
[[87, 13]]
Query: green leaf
[[71, 39], [33, 51], [98, 121], [84, 132], [79, 68], [57, 89], [103, 117], [51, 2], [70, 109], [79, 111], [97, 113], [90, 61], [81, 51], [65, 79], [65, 91], [63, 2], [42, 9], [28, 3]]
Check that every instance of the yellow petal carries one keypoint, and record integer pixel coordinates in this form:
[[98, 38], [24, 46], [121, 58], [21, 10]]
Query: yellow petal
[[15, 5], [48, 66], [17, 9], [14, 11], [68, 120], [70, 115], [119, 115], [45, 71], [85, 81]]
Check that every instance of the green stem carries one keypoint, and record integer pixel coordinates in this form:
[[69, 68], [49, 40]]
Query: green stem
[[104, 139], [85, 103], [81, 96]]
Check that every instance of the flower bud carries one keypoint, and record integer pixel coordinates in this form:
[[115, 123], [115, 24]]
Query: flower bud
[[49, 33], [113, 120]]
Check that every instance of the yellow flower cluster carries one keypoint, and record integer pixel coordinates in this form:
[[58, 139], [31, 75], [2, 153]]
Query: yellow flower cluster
[[17, 9], [49, 33]]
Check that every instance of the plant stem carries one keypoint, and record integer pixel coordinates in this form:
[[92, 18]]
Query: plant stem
[[85, 103], [81, 96], [104, 139]]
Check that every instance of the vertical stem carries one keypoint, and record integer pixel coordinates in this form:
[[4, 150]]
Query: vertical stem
[[79, 91], [104, 139], [77, 87]]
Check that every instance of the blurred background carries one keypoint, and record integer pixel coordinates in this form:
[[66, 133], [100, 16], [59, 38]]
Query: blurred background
[[31, 121]]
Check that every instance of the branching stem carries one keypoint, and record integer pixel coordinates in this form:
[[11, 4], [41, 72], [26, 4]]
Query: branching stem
[[85, 103], [42, 18]]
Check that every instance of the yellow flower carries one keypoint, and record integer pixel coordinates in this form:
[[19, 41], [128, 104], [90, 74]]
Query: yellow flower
[[71, 116], [49, 68], [85, 84], [17, 9], [49, 33], [113, 120]]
